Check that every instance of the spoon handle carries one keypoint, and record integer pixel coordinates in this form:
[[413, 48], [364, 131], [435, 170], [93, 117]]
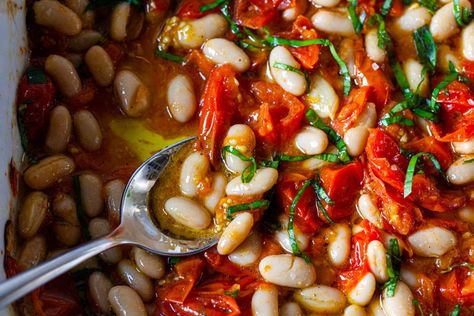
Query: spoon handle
[[25, 282]]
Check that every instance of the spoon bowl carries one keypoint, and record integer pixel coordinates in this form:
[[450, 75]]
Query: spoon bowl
[[136, 228]]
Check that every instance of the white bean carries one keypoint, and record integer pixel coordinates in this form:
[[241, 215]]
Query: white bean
[[113, 191], [325, 3], [126, 302], [443, 24], [375, 307], [53, 14], [311, 140], [188, 212], [150, 264], [222, 51], [64, 74], [355, 139], [60, 129], [248, 252], [80, 8], [84, 40], [408, 276], [432, 242], [332, 22], [235, 233], [339, 247], [377, 259], [138, 281], [66, 226], [32, 214], [321, 299], [48, 171], [446, 56], [401, 303], [265, 301], [290, 309], [133, 95], [464, 148], [322, 98], [99, 227], [100, 65], [33, 252], [263, 180], [194, 170], [467, 42], [291, 81], [194, 33], [414, 72], [363, 291], [354, 310], [242, 138], [347, 53], [99, 287], [374, 52], [368, 210], [466, 214], [413, 18], [119, 20], [181, 98], [290, 14], [218, 192], [283, 237], [87, 130], [460, 173], [91, 194], [368, 117], [287, 270]]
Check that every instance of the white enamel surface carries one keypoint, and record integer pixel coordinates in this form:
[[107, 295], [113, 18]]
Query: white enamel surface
[[12, 52]]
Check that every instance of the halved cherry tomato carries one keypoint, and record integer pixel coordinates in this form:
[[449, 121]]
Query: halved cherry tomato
[[353, 107], [190, 9], [255, 14], [457, 287], [57, 298], [219, 103], [302, 29], [306, 215], [342, 184], [358, 263], [281, 112], [457, 114]]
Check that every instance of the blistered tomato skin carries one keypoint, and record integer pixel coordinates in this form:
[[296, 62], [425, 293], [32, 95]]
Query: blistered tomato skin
[[333, 159]]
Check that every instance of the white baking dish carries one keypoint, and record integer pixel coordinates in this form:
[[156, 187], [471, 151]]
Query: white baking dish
[[13, 56]]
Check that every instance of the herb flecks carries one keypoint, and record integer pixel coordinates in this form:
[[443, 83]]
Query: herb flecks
[[393, 267], [246, 207]]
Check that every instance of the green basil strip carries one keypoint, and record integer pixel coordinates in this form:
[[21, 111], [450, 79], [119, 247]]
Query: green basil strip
[[291, 232], [248, 172], [288, 67], [320, 192], [357, 22], [165, 55], [425, 46], [275, 41], [386, 6], [460, 265], [383, 38], [324, 156], [430, 116], [393, 267], [36, 76], [226, 13], [407, 188], [337, 140], [270, 164], [401, 79], [418, 306], [233, 294], [24, 134], [452, 76], [246, 207], [429, 4], [461, 14], [81, 215], [468, 161], [398, 119], [212, 5], [456, 310]]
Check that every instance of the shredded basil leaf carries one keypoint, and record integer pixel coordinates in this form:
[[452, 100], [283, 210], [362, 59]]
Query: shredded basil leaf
[[172, 261], [226, 13], [386, 6], [407, 188], [24, 134], [401, 79], [425, 47], [288, 67], [324, 156], [233, 294], [321, 194], [454, 266], [450, 77], [456, 310], [429, 4], [394, 261], [212, 5], [81, 215], [461, 14], [357, 22], [251, 169], [418, 306], [337, 140], [291, 232], [36, 76], [165, 55], [270, 164], [465, 162], [246, 207]]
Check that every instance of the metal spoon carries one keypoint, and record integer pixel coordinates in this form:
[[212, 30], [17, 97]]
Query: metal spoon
[[136, 228]]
